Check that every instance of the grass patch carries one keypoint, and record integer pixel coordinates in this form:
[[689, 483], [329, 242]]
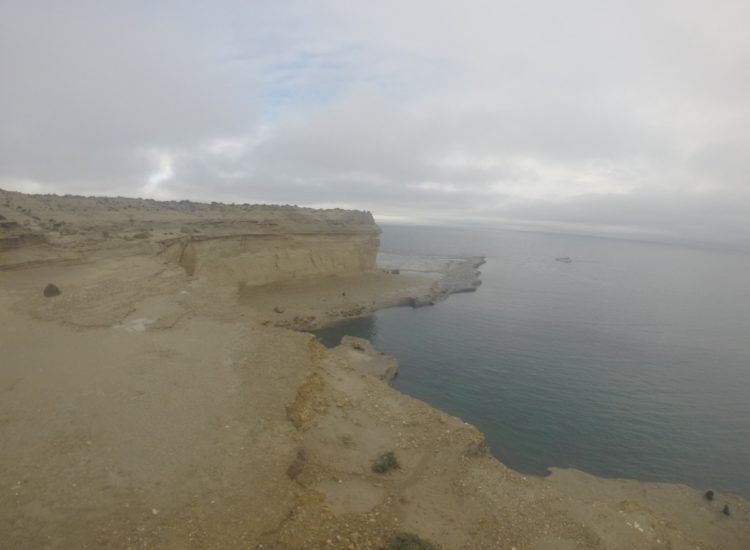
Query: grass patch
[[385, 463], [408, 541]]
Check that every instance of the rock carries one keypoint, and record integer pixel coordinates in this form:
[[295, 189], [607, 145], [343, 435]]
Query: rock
[[353, 311], [360, 354], [476, 449], [51, 290], [278, 309], [451, 275]]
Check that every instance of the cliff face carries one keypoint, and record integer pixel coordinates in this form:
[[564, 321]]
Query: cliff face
[[262, 259], [222, 244]]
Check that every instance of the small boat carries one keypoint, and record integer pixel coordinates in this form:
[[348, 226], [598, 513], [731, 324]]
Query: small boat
[[563, 259]]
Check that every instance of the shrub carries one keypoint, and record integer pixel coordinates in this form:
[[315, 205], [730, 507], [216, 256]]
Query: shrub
[[51, 290], [385, 463], [408, 541]]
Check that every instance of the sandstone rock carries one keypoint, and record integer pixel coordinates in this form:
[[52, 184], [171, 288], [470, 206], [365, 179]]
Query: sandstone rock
[[361, 355], [476, 449], [451, 275]]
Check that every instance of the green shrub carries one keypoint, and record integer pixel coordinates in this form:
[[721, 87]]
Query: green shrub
[[408, 541], [385, 463]]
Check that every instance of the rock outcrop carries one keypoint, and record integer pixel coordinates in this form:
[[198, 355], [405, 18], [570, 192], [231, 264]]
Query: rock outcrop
[[450, 275], [360, 354], [223, 244], [258, 259]]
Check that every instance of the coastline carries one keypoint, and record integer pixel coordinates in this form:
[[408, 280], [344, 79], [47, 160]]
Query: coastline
[[146, 406]]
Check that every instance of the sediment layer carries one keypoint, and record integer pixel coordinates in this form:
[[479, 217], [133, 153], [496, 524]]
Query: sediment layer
[[224, 244], [264, 259]]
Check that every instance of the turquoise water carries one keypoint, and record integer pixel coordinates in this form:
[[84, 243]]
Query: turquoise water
[[632, 361]]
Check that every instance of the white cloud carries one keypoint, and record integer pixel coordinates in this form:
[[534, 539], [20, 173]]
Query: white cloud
[[623, 116]]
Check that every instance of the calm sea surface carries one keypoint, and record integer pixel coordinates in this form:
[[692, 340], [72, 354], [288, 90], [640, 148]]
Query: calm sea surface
[[632, 361]]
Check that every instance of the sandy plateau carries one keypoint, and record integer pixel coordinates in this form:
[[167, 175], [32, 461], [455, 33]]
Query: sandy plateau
[[167, 399]]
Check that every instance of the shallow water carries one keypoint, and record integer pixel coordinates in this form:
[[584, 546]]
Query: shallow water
[[631, 361]]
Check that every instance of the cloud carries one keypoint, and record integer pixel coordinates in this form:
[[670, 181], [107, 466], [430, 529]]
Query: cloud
[[624, 117], [90, 91]]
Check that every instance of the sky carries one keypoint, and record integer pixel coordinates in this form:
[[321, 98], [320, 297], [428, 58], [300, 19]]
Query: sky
[[627, 118]]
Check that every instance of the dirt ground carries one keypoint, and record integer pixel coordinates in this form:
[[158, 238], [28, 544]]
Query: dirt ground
[[141, 408]]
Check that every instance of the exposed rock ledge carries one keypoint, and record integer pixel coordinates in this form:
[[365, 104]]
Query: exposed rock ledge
[[145, 407], [222, 244], [451, 275], [359, 353]]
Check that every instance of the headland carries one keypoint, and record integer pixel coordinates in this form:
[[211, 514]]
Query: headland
[[167, 398]]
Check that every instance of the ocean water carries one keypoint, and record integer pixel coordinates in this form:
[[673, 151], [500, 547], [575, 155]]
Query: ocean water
[[632, 361]]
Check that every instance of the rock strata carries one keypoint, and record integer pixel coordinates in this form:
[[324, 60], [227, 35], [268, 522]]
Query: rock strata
[[223, 244]]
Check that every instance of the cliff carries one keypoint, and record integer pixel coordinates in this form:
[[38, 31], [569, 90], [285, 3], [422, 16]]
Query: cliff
[[223, 244], [258, 259], [145, 406]]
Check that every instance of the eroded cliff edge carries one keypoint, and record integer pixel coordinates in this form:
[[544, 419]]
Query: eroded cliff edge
[[224, 244], [145, 407]]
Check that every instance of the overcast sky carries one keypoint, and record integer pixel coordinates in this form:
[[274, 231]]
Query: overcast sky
[[630, 117]]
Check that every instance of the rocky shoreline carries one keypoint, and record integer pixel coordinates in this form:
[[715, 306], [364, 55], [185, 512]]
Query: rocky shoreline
[[147, 406], [450, 275]]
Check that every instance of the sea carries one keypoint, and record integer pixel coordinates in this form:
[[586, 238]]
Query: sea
[[630, 361]]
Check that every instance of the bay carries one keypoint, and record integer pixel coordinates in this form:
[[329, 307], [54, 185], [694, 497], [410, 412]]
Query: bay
[[632, 360]]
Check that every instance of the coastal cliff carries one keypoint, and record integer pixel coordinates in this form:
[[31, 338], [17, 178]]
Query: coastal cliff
[[223, 244], [259, 259], [160, 399]]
